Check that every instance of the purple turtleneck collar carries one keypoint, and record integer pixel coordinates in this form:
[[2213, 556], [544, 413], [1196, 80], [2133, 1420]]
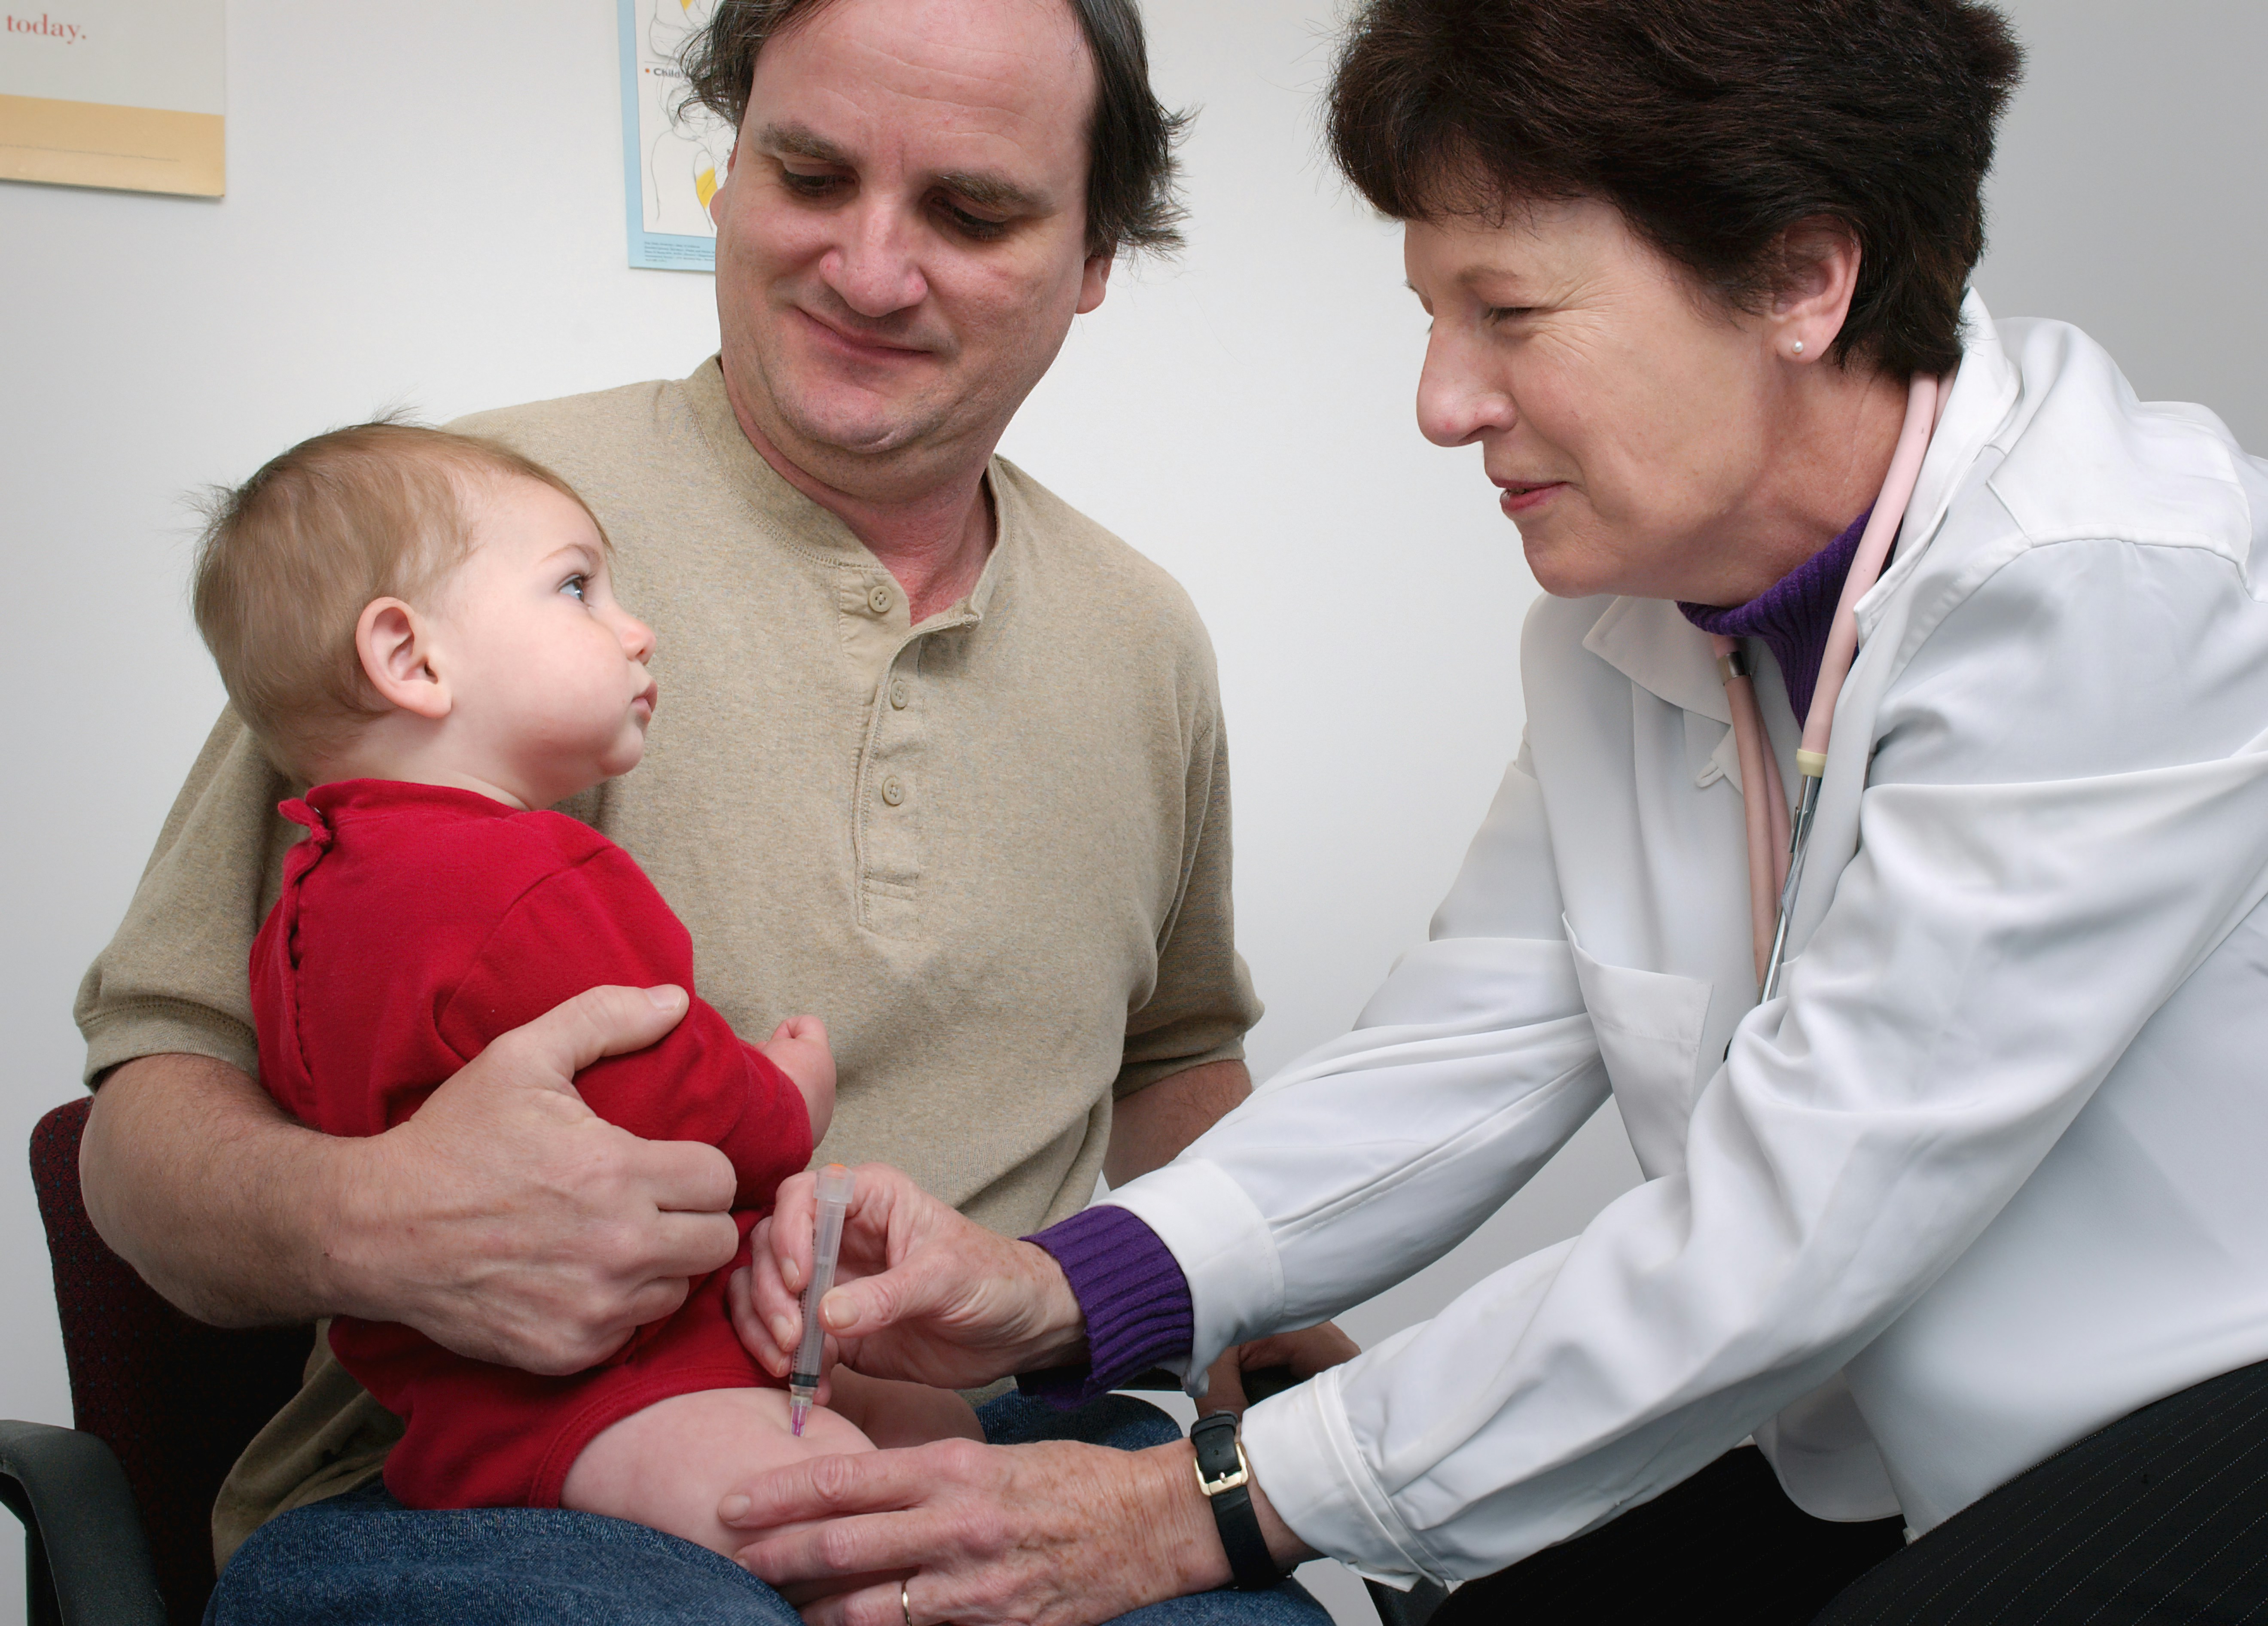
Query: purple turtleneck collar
[[1794, 616]]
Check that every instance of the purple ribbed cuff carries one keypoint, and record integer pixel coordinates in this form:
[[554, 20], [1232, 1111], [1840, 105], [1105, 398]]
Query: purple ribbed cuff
[[1133, 1294]]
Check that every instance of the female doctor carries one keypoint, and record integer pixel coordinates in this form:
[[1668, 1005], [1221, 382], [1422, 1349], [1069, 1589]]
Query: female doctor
[[1964, 1224]]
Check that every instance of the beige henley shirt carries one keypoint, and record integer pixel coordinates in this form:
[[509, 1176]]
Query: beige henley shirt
[[991, 851]]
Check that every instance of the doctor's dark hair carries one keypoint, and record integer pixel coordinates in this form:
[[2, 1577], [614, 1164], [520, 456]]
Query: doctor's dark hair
[[1131, 199], [1713, 126]]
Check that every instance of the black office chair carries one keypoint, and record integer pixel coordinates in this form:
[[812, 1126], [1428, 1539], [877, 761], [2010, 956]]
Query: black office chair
[[117, 1512]]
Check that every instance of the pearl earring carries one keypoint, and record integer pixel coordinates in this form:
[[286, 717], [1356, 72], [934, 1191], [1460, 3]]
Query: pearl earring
[[1799, 347]]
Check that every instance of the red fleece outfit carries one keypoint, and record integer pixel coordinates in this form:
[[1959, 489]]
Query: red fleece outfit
[[416, 923]]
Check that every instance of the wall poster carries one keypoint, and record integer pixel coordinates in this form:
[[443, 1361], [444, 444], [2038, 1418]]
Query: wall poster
[[672, 154], [124, 93]]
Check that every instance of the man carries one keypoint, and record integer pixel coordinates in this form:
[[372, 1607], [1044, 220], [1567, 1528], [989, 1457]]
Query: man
[[936, 758]]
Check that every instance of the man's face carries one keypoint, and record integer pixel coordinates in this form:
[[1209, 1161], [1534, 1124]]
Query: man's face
[[901, 240]]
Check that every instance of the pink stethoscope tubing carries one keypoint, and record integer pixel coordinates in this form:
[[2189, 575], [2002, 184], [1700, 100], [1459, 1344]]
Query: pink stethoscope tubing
[[1775, 847]]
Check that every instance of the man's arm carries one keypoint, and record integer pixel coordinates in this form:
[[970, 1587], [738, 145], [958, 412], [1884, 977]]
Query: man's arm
[[1151, 1128], [1184, 1060], [166, 1130], [505, 1220]]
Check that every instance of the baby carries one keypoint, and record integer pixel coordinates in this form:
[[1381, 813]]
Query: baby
[[421, 625]]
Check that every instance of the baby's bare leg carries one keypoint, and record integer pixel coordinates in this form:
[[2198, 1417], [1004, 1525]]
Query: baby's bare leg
[[668, 1465]]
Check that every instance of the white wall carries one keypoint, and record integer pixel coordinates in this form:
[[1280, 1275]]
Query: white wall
[[2127, 194], [428, 209]]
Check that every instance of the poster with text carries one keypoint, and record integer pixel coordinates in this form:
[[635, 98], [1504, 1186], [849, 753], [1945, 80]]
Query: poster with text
[[674, 150], [124, 93]]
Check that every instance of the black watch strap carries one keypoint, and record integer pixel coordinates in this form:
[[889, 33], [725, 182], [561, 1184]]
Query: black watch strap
[[1225, 1479]]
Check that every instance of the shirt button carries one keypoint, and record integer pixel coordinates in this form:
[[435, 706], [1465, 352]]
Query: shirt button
[[893, 792], [899, 696], [879, 600]]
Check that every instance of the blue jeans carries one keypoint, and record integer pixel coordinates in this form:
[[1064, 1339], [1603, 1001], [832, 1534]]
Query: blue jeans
[[363, 1559]]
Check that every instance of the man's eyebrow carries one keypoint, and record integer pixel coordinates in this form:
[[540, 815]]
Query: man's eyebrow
[[989, 189], [798, 142], [985, 188]]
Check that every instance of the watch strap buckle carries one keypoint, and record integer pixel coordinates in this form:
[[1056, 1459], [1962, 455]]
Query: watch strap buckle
[[1235, 1479], [1224, 1476]]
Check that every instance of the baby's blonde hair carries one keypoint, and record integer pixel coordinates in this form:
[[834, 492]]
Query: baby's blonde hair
[[290, 559]]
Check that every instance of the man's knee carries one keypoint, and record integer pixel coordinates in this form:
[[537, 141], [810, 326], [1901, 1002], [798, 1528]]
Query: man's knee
[[1118, 1420], [362, 1559]]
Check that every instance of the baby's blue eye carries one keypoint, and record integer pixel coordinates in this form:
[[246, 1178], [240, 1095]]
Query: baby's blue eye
[[573, 587]]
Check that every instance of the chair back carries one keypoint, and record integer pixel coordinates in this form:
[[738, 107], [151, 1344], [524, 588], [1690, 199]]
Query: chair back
[[177, 1400]]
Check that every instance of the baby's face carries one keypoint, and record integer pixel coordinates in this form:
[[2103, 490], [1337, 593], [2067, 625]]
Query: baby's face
[[546, 672]]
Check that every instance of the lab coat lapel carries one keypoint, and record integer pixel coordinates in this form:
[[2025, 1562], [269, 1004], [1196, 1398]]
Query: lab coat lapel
[[1656, 647], [1986, 390]]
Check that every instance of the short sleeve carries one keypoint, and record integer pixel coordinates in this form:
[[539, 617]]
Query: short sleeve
[[1203, 1001], [174, 978]]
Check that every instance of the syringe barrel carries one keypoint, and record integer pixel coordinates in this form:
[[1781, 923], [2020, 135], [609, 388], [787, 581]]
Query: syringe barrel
[[827, 1245]]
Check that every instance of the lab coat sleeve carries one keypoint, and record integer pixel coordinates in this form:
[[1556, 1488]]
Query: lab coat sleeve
[[1377, 1153], [2047, 849]]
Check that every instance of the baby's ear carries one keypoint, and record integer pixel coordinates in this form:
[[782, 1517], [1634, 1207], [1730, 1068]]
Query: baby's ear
[[395, 646]]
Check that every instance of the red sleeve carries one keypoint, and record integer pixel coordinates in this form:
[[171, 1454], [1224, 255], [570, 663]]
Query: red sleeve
[[598, 922]]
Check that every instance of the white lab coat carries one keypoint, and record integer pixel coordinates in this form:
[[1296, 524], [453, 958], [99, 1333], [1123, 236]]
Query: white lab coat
[[1988, 1175]]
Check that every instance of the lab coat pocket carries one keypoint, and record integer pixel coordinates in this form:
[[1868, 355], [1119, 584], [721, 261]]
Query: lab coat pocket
[[1648, 1025]]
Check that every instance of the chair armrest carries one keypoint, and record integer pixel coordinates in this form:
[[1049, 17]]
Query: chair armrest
[[1413, 1607], [87, 1563], [1154, 1381]]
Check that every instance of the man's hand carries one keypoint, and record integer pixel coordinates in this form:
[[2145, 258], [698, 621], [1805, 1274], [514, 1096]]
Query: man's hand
[[921, 1292], [509, 1222], [1307, 1352], [505, 1220]]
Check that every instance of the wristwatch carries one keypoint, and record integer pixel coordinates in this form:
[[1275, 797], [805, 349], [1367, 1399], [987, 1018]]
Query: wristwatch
[[1225, 1478]]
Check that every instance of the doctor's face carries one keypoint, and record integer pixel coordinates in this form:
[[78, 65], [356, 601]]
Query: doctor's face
[[1625, 413], [902, 239]]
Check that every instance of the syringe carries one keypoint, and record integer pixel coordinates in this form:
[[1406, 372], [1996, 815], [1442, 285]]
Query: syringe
[[825, 1246]]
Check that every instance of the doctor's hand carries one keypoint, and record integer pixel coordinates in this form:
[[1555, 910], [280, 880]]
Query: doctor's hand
[[982, 1536], [921, 1292], [508, 1222], [1307, 1352]]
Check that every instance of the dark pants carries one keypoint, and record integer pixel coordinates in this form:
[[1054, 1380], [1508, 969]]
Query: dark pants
[[2161, 1517], [1726, 1544]]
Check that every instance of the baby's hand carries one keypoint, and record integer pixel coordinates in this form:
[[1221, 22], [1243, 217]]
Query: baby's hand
[[799, 1048]]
